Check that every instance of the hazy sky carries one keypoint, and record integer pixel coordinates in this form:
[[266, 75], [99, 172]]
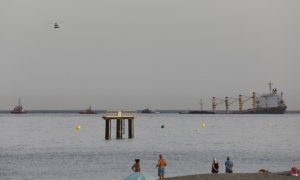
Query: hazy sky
[[132, 54]]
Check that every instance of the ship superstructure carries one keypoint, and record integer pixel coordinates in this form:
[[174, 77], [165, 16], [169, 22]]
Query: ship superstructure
[[271, 103]]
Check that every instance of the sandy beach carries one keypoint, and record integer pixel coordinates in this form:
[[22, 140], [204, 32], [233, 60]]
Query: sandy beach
[[238, 176]]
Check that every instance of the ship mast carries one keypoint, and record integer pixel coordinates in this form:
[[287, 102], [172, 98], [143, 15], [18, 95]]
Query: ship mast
[[270, 86], [19, 102], [201, 104]]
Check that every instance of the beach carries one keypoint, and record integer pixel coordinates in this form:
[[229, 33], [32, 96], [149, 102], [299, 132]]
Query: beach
[[238, 176]]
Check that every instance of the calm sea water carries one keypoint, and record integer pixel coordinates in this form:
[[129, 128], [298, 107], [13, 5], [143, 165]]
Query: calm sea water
[[48, 146]]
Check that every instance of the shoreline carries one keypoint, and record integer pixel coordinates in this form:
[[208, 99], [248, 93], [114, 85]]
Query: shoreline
[[237, 176]]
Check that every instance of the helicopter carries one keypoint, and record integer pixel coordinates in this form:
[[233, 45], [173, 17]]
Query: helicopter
[[57, 24]]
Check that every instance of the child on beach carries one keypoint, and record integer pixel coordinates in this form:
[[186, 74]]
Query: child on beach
[[136, 167], [161, 164], [215, 166], [228, 166]]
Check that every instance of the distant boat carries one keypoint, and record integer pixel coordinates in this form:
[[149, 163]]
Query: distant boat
[[147, 110], [19, 108], [88, 111]]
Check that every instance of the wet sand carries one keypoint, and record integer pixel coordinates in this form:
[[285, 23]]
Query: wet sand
[[238, 176]]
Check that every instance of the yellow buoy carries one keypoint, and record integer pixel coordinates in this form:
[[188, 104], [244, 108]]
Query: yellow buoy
[[270, 124], [78, 127], [203, 125]]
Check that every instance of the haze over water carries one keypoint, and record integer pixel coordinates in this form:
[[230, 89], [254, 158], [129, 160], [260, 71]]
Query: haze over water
[[48, 146]]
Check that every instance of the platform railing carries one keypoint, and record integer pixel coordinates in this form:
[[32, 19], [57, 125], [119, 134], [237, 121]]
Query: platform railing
[[120, 114]]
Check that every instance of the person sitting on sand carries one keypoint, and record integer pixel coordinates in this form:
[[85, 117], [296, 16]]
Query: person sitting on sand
[[161, 164], [228, 166], [136, 167], [215, 166]]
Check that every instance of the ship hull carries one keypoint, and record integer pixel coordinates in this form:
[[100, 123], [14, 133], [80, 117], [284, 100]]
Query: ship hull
[[87, 113], [196, 112], [18, 112], [147, 111], [272, 110]]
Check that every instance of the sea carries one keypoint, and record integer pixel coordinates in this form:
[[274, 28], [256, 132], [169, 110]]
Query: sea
[[50, 146]]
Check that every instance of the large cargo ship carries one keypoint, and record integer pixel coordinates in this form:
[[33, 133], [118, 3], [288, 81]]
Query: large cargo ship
[[270, 103], [19, 108]]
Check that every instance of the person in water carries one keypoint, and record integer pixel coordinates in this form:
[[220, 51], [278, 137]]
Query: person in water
[[161, 164], [228, 166], [215, 166], [136, 167]]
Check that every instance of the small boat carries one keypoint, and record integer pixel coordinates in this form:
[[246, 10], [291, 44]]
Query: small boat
[[88, 111], [19, 108], [147, 110]]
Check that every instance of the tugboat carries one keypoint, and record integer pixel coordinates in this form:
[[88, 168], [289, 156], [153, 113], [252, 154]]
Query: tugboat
[[88, 111], [19, 108], [148, 111]]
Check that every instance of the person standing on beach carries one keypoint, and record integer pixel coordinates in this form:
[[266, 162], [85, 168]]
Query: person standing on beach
[[161, 164], [215, 166], [228, 166], [136, 167]]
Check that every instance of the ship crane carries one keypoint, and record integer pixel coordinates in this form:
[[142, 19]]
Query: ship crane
[[242, 101], [221, 101], [228, 102], [215, 103]]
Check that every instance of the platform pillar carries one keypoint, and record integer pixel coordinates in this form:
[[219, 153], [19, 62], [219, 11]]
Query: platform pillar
[[130, 129], [119, 129], [107, 129]]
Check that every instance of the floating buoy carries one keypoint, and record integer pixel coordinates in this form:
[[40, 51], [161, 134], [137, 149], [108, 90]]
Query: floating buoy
[[269, 124], [203, 125], [78, 127], [162, 126]]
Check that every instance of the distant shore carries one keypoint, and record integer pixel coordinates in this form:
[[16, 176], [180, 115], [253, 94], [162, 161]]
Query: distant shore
[[237, 176]]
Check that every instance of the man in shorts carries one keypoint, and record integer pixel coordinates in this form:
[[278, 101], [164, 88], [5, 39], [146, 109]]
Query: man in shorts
[[161, 164]]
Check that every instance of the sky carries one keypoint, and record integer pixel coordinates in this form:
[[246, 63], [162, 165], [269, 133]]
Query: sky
[[133, 54]]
